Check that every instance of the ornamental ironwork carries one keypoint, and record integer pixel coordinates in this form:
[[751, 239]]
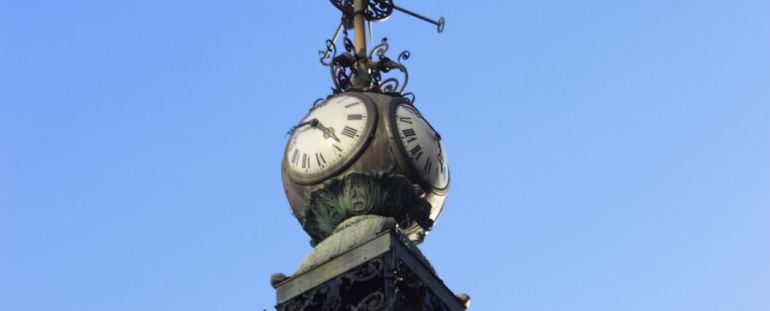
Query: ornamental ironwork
[[355, 69]]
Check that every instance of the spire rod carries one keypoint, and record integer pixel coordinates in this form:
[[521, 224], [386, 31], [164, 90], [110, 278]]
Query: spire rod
[[355, 69], [359, 23]]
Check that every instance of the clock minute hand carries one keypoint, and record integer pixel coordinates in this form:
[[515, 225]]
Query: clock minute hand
[[311, 122], [328, 131]]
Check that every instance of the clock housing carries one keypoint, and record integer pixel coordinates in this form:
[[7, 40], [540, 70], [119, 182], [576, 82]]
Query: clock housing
[[420, 146], [329, 138], [383, 148]]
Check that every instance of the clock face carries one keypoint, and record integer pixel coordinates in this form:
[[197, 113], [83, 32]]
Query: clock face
[[328, 138], [422, 146]]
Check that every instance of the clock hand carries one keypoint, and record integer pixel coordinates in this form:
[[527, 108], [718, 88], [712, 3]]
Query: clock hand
[[328, 131], [440, 152], [311, 122]]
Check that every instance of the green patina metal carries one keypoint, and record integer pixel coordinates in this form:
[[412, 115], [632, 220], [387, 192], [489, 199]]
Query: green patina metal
[[360, 193]]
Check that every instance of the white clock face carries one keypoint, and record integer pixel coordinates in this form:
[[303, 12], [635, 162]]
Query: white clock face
[[328, 136], [422, 145]]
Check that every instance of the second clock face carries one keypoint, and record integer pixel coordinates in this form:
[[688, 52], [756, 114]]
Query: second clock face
[[328, 138], [422, 146]]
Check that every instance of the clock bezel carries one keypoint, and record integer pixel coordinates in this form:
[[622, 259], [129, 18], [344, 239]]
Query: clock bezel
[[403, 152], [366, 136]]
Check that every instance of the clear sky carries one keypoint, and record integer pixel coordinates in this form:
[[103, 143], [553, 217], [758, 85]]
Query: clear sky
[[605, 155]]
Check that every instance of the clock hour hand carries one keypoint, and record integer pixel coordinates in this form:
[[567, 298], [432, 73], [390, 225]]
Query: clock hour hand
[[328, 131]]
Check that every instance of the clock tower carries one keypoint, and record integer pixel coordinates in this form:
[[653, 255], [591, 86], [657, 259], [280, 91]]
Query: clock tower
[[366, 175]]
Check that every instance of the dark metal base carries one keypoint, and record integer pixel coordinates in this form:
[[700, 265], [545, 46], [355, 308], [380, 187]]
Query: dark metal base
[[386, 273]]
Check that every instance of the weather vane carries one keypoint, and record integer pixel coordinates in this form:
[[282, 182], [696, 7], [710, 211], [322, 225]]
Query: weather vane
[[355, 69]]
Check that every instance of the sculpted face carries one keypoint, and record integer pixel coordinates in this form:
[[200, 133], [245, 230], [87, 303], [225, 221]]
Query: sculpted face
[[360, 194]]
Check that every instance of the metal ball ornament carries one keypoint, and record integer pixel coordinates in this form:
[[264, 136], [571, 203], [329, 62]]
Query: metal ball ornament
[[364, 152]]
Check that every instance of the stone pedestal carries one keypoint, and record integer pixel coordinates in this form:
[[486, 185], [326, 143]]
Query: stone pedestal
[[385, 273]]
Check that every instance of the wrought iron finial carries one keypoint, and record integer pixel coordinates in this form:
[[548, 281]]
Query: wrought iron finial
[[355, 69]]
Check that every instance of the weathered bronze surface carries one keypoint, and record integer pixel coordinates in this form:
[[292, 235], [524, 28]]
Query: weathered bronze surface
[[367, 209], [321, 206], [386, 273], [375, 193]]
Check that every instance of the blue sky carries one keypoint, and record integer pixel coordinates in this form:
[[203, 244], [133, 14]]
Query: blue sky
[[605, 155]]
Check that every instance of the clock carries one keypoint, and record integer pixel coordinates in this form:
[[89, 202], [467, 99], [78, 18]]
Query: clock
[[329, 138], [421, 146]]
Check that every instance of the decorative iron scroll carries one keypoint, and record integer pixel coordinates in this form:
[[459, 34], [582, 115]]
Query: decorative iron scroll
[[350, 71], [361, 288], [412, 291], [376, 10], [383, 283]]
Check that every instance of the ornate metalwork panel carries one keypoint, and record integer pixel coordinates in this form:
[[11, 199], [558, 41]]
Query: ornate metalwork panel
[[383, 283]]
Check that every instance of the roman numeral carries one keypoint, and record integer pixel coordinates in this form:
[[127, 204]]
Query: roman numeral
[[407, 120], [428, 166], [349, 132], [409, 133], [411, 109], [305, 161], [319, 157], [351, 105], [440, 163], [295, 157], [357, 116], [415, 149], [416, 152], [338, 148]]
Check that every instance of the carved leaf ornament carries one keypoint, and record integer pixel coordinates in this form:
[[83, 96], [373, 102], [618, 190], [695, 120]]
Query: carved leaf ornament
[[361, 193]]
